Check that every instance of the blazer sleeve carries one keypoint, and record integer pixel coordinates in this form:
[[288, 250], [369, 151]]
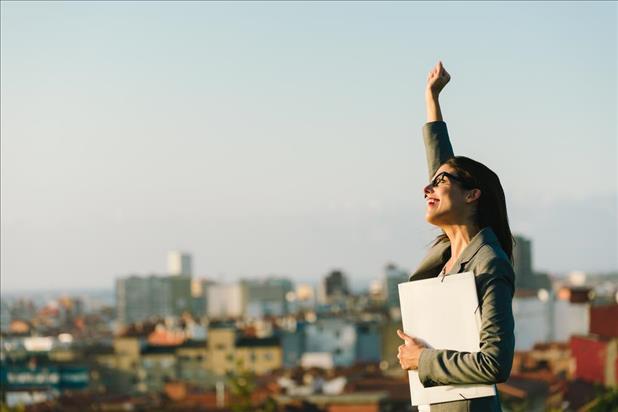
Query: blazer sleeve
[[492, 363], [437, 145]]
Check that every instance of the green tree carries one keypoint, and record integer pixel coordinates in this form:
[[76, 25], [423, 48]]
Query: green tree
[[5, 408], [242, 384], [269, 405], [605, 402], [512, 404]]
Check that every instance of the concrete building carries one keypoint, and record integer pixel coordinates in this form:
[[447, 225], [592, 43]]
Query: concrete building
[[259, 355], [293, 345], [542, 317], [333, 335], [221, 347], [533, 314], [596, 354], [604, 320], [334, 288], [254, 298], [368, 342], [344, 341], [180, 294], [5, 316], [228, 352], [199, 296], [525, 276], [193, 362], [179, 263], [572, 312], [139, 298], [135, 298], [157, 365], [596, 359], [522, 260], [227, 301], [268, 297], [393, 276]]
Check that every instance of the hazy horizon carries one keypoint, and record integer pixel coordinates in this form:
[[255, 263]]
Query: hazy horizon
[[285, 138]]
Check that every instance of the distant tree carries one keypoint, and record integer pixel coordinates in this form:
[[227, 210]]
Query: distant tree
[[607, 401], [269, 405], [242, 384], [512, 404], [5, 408]]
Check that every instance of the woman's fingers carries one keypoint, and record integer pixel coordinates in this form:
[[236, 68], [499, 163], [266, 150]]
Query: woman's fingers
[[446, 75], [406, 338], [438, 77]]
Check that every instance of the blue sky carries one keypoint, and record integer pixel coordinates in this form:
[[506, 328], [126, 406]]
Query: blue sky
[[284, 138]]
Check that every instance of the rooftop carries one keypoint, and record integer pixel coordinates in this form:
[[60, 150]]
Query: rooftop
[[248, 341]]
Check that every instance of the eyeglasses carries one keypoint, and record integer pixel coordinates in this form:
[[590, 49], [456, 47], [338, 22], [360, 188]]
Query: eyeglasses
[[440, 178]]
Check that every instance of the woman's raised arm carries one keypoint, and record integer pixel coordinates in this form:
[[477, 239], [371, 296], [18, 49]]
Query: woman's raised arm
[[436, 80], [437, 144]]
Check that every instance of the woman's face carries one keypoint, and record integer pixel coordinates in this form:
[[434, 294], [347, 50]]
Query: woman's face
[[446, 200]]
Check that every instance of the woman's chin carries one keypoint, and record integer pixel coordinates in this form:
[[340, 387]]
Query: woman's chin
[[432, 219]]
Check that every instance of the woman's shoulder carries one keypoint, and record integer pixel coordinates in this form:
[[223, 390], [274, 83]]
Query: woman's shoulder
[[492, 263], [491, 254]]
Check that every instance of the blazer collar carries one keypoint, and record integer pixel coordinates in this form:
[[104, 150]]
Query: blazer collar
[[485, 236], [439, 254]]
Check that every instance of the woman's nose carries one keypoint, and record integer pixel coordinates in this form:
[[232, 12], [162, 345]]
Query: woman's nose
[[428, 189]]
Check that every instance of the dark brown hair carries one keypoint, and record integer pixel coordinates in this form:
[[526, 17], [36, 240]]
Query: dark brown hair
[[491, 207]]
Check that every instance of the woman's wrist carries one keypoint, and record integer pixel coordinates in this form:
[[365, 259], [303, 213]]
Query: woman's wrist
[[431, 95]]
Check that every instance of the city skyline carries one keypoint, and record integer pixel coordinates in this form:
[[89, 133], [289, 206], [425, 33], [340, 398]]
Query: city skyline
[[285, 138]]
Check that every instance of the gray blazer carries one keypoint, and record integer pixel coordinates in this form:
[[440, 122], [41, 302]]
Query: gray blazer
[[495, 284]]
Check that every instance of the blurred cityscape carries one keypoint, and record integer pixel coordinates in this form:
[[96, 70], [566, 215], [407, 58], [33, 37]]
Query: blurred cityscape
[[177, 342]]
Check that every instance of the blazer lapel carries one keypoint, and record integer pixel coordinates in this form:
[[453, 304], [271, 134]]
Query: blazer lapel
[[432, 264], [439, 254], [483, 237]]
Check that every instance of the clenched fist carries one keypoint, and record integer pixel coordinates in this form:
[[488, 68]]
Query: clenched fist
[[436, 80]]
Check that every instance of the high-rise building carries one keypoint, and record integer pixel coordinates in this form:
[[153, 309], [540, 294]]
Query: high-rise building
[[5, 316], [227, 300], [199, 296], [268, 297], [393, 276], [522, 261], [133, 299], [180, 294], [525, 277], [334, 287], [139, 298], [179, 263]]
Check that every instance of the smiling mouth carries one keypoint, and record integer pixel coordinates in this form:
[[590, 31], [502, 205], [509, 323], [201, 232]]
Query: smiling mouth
[[431, 201]]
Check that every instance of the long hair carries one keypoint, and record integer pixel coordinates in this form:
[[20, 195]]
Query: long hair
[[491, 207]]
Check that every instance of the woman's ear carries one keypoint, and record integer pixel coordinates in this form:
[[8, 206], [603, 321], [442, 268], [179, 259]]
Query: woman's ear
[[473, 195]]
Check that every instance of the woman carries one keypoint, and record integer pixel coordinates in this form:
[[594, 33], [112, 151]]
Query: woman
[[465, 199]]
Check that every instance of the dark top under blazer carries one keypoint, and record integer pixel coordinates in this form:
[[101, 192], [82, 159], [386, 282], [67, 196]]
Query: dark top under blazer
[[495, 285]]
